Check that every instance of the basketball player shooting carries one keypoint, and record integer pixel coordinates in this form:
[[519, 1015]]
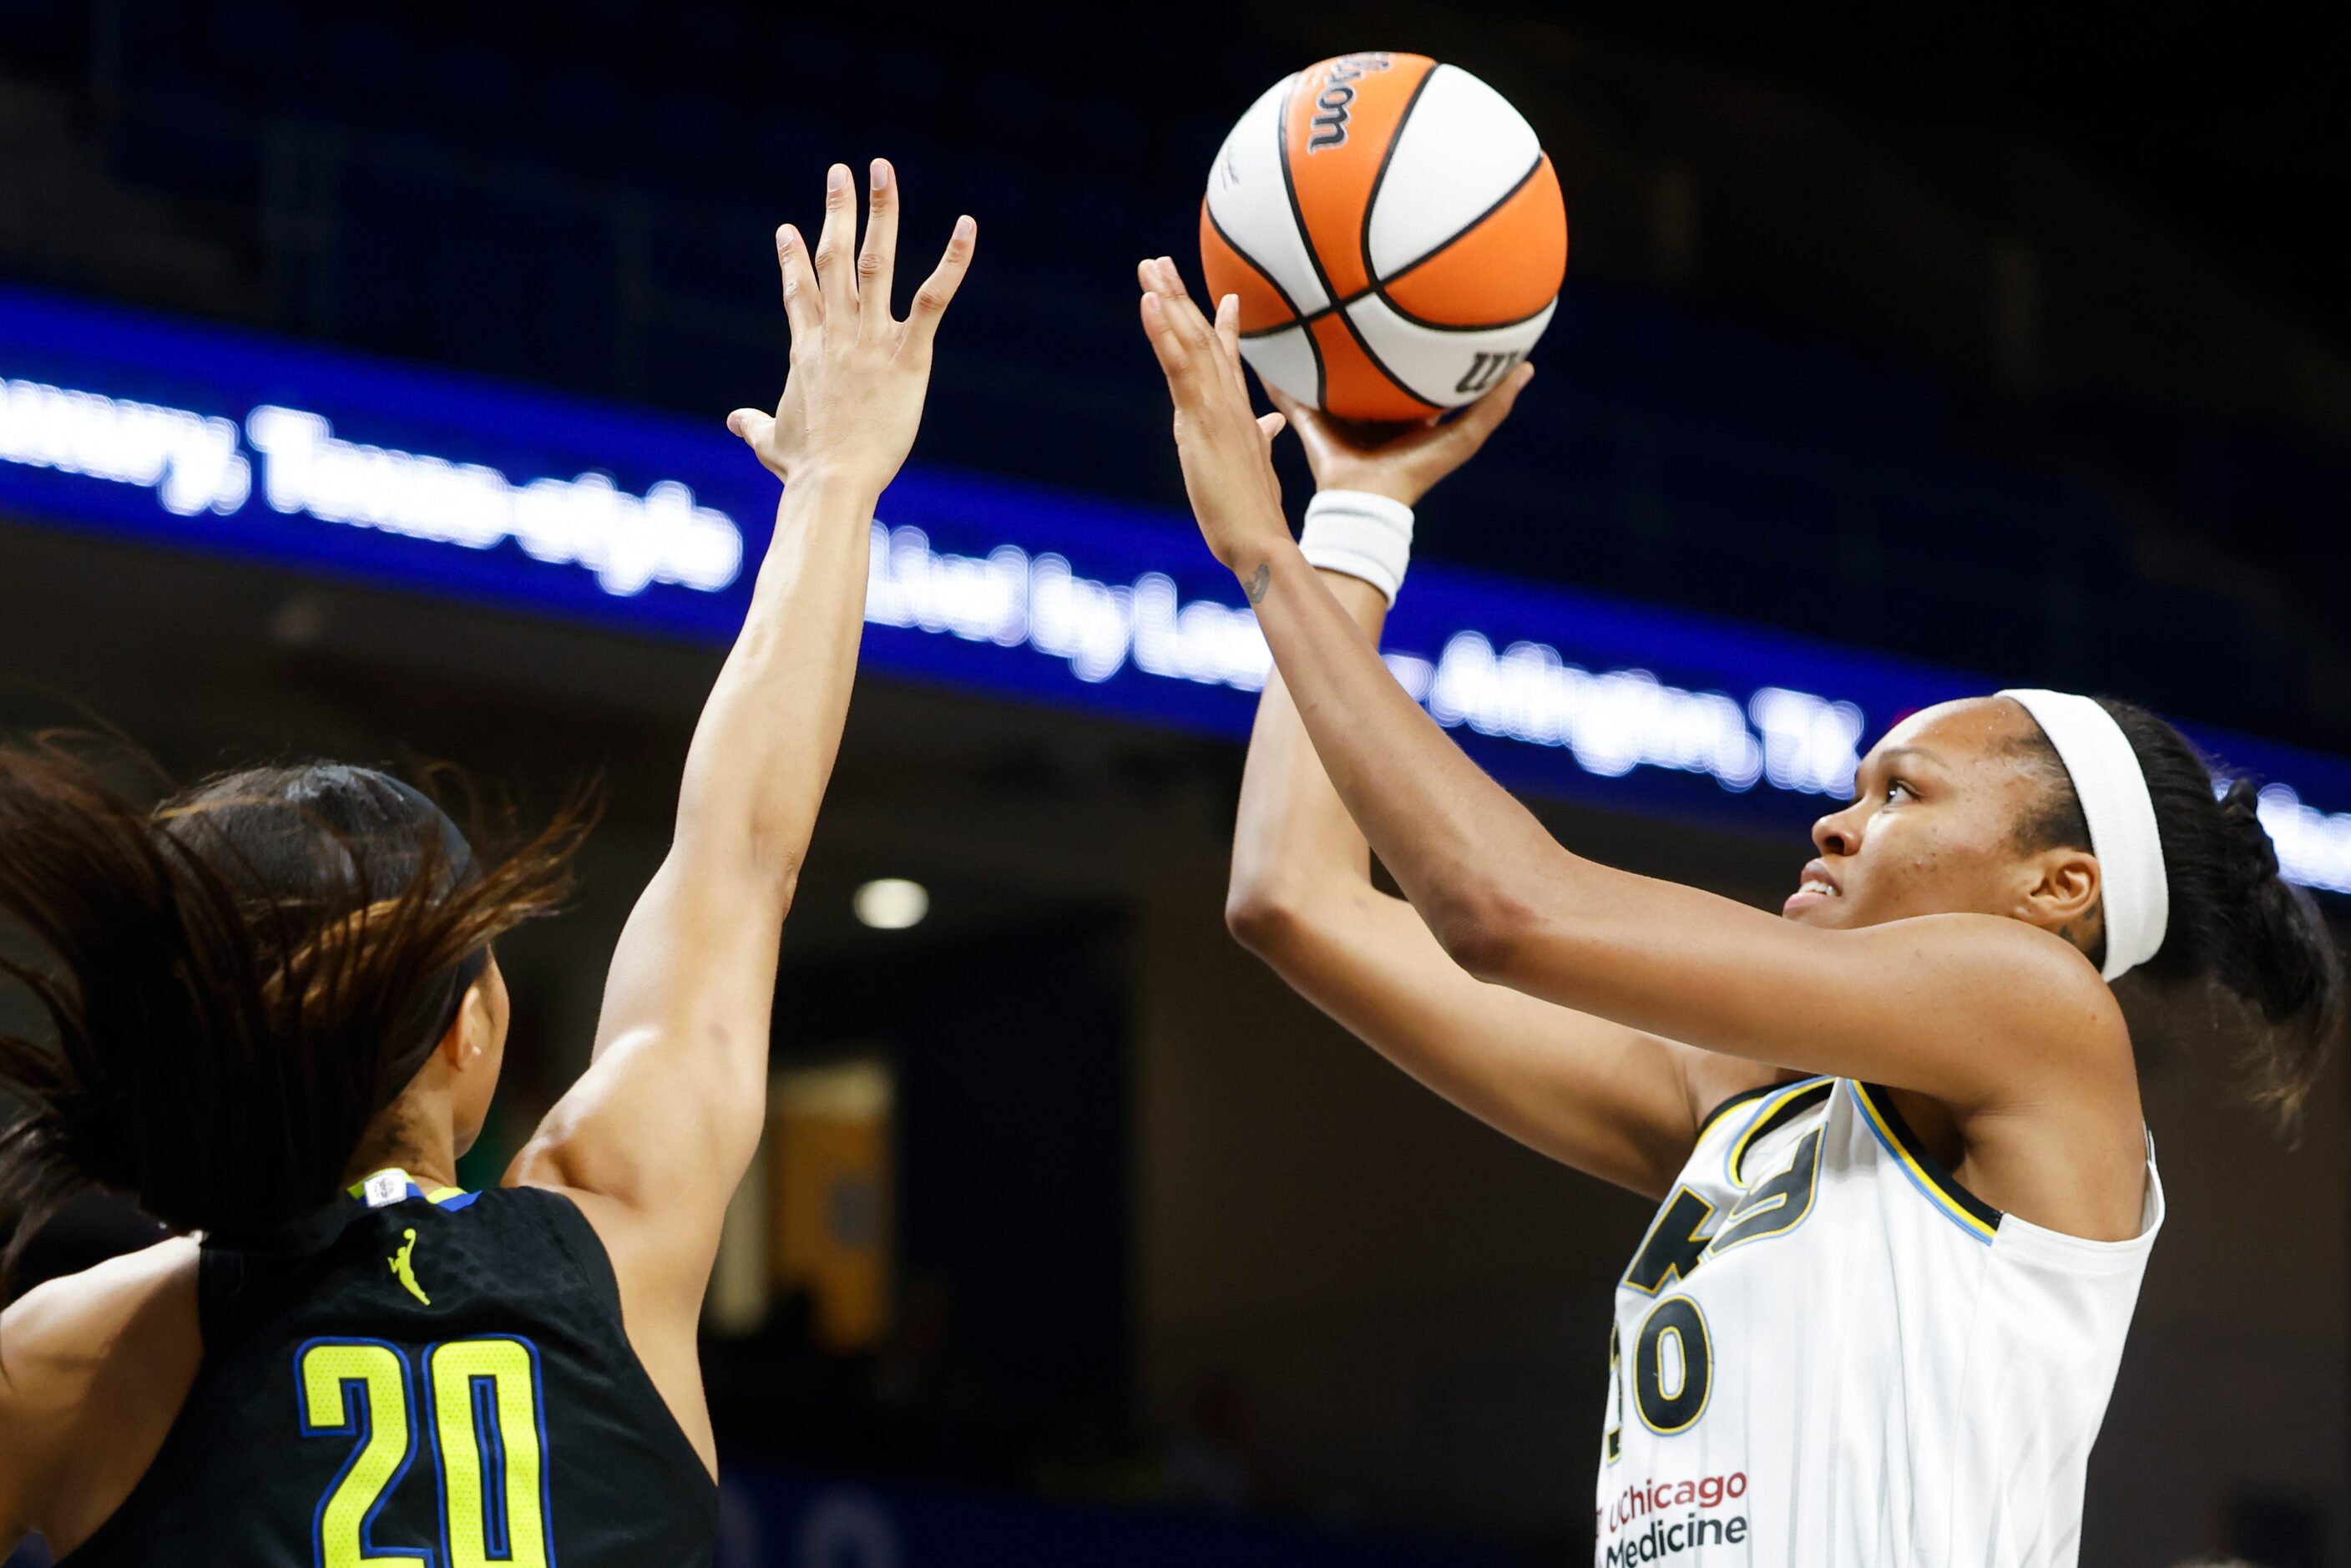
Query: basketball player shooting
[[1907, 1194], [276, 1020]]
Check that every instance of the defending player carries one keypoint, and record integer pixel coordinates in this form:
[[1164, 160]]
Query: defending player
[[1907, 1195], [281, 986]]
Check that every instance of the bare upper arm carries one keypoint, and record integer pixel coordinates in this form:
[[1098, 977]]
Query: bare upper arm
[[93, 1370], [1620, 1103], [1980, 1011], [2008, 1027], [666, 1119], [660, 1305], [652, 1140], [609, 1162]]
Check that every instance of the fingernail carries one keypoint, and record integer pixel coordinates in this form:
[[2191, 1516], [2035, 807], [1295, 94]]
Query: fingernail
[[965, 226], [881, 175], [837, 177]]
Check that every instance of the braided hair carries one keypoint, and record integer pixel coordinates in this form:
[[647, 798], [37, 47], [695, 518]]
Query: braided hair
[[2238, 928]]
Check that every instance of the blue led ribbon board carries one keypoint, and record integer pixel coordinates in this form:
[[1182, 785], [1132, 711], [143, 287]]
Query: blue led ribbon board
[[207, 438]]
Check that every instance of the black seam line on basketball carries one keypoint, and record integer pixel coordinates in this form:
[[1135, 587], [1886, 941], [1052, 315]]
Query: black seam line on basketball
[[1441, 246], [1380, 175], [1260, 268], [1352, 332], [1401, 311], [1305, 240], [1289, 190], [1379, 287], [1454, 325], [1322, 371], [1381, 365], [1274, 283], [1298, 216]]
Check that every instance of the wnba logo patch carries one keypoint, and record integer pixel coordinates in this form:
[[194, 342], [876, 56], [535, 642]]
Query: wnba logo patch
[[403, 1268]]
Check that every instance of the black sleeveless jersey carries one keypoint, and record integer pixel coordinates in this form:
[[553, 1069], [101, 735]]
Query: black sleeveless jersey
[[417, 1380]]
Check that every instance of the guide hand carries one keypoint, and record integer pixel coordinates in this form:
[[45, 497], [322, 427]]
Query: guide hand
[[1226, 449]]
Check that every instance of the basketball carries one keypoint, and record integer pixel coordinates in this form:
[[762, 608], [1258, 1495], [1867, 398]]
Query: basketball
[[1394, 230]]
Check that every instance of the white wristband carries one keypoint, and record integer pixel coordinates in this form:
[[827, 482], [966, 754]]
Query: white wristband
[[1361, 535]]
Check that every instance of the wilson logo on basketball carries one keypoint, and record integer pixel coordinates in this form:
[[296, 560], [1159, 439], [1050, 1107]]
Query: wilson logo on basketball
[[1484, 370], [1330, 121]]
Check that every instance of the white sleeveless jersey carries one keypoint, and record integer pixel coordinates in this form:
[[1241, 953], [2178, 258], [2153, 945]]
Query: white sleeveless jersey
[[1827, 1353]]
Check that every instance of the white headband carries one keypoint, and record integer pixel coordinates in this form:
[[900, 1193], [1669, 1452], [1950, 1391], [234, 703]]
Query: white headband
[[2111, 788]]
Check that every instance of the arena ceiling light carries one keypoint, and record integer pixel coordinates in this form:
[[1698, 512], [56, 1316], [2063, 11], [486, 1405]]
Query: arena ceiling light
[[892, 904]]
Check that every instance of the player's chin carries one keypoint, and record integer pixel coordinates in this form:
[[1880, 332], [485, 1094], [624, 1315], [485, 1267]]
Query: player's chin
[[1829, 911]]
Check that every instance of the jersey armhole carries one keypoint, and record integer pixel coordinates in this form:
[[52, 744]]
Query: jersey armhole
[[578, 1240], [220, 1278], [1744, 1097], [1911, 1156], [220, 1284]]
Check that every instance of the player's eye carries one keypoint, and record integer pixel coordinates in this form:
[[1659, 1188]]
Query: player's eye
[[1897, 788]]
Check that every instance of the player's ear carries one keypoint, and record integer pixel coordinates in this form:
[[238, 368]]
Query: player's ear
[[2059, 889], [471, 1033]]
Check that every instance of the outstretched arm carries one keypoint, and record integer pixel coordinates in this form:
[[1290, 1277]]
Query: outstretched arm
[[1616, 1103], [654, 1137], [1975, 1011]]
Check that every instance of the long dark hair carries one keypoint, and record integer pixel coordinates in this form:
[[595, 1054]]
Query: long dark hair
[[2254, 941], [236, 981]]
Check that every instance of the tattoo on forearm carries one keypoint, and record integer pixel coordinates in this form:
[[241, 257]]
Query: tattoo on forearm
[[1256, 586]]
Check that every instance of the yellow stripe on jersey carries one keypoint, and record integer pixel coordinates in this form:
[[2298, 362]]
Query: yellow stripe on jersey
[[1762, 1119], [1973, 1215], [439, 1195]]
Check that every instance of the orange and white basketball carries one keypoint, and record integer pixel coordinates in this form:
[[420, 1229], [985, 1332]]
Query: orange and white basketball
[[1394, 230]]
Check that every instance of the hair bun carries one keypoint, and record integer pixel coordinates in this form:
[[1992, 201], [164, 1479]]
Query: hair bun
[[2242, 807]]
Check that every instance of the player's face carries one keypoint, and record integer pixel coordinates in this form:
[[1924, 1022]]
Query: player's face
[[1932, 827]]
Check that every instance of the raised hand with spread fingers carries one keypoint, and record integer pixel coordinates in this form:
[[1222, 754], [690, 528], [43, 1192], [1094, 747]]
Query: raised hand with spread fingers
[[652, 1140], [854, 397]]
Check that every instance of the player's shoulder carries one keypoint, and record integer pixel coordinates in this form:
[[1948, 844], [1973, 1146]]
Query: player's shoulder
[[72, 1347], [2041, 957], [123, 1306], [2038, 988]]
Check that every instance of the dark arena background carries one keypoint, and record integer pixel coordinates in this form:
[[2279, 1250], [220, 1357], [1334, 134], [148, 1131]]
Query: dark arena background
[[1897, 359]]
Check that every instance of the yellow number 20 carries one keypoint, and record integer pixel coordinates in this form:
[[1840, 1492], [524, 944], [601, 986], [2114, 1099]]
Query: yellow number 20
[[358, 1388], [486, 1435], [485, 1404]]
